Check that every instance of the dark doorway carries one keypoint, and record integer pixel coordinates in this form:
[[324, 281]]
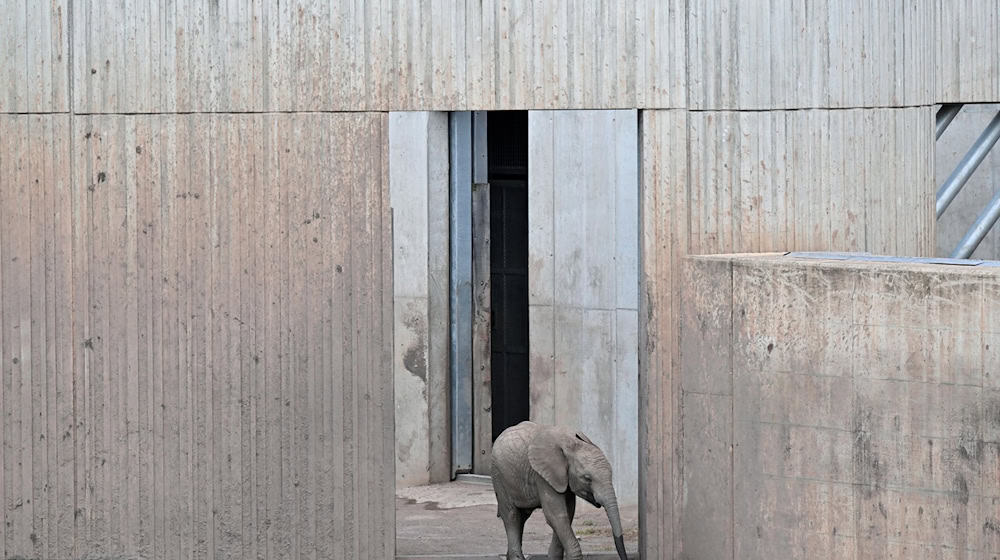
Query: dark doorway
[[507, 145]]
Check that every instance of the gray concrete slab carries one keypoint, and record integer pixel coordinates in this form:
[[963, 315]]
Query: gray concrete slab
[[859, 424]]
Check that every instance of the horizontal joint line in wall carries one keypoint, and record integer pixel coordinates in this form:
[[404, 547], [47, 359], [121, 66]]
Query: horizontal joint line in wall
[[816, 108], [171, 113]]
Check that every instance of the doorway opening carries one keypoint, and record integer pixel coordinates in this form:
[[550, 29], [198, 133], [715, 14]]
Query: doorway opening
[[507, 146]]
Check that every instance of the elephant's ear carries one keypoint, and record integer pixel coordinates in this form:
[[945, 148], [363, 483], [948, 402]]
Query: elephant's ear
[[547, 458], [583, 437]]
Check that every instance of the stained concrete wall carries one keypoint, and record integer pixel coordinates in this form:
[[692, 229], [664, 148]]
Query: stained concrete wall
[[716, 182], [583, 212], [418, 179], [838, 408], [982, 186], [194, 325]]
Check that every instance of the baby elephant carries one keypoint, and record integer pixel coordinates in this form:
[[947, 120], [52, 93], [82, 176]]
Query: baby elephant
[[548, 467]]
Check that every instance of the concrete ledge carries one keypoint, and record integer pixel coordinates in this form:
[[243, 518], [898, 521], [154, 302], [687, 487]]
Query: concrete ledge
[[839, 405]]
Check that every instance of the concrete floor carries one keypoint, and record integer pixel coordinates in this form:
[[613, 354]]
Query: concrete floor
[[459, 520]]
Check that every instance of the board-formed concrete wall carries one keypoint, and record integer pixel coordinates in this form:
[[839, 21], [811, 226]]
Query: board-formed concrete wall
[[195, 326], [229, 55], [717, 182], [418, 187], [838, 408], [583, 225]]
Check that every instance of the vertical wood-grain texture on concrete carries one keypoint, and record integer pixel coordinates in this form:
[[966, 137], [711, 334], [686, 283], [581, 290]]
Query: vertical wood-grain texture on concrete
[[37, 404], [968, 51], [385, 54], [854, 417], [787, 54], [583, 212], [195, 336], [34, 49], [719, 182], [513, 54]]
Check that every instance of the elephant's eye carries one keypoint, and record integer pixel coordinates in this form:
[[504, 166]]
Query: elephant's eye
[[588, 478]]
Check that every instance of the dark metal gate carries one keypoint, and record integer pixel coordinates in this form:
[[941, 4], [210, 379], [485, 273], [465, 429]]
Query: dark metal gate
[[508, 178]]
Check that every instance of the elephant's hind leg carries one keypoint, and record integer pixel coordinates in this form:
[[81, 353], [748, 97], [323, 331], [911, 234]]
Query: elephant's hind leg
[[513, 522], [556, 547]]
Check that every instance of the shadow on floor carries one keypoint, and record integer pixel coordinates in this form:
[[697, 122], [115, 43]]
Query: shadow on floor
[[458, 521]]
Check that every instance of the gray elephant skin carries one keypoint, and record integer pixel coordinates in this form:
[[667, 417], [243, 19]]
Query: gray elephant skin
[[543, 466]]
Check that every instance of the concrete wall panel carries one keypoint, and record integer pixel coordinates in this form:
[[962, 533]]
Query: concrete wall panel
[[855, 453], [34, 45], [716, 182], [786, 54], [196, 330], [503, 54], [382, 55], [583, 224], [968, 51], [418, 177]]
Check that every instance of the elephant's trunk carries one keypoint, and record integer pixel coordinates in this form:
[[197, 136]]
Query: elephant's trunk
[[610, 504]]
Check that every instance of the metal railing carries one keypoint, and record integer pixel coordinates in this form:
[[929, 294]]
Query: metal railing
[[960, 176]]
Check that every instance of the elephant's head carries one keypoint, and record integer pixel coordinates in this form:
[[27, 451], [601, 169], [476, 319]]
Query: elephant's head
[[565, 460]]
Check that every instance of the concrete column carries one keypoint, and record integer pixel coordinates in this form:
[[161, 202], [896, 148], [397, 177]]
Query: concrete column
[[418, 184], [583, 279]]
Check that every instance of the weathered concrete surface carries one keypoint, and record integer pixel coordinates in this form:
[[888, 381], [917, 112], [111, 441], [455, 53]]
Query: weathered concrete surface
[[723, 182], [977, 193], [583, 214], [418, 185], [838, 409], [459, 520], [195, 326], [421, 55]]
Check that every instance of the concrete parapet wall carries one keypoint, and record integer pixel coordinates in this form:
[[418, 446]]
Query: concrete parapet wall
[[838, 408]]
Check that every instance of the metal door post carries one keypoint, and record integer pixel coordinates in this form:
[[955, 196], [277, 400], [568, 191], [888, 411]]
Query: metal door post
[[460, 216]]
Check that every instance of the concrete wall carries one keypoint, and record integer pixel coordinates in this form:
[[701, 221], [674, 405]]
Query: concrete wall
[[868, 73], [583, 212], [195, 322], [967, 39], [496, 54], [418, 179], [842, 409], [715, 182], [977, 193]]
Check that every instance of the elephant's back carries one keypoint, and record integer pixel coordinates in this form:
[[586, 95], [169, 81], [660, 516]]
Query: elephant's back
[[516, 436], [510, 463]]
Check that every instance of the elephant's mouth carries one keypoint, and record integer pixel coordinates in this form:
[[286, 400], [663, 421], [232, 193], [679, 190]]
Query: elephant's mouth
[[590, 499]]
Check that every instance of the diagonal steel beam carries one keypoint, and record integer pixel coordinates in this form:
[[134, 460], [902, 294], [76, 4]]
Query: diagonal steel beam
[[945, 115], [954, 183], [984, 223]]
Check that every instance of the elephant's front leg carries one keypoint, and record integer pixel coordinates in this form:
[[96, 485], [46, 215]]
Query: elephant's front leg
[[559, 515], [556, 548]]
